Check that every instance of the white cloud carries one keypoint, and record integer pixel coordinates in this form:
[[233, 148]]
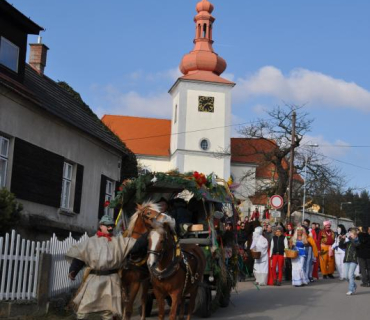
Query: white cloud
[[302, 86], [135, 104], [228, 76]]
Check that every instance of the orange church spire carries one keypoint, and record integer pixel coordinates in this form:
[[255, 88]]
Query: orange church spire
[[203, 59]]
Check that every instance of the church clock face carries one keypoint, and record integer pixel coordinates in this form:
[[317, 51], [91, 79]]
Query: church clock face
[[206, 104]]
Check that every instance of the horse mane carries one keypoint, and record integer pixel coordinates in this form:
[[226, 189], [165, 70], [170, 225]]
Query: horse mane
[[159, 225], [140, 207]]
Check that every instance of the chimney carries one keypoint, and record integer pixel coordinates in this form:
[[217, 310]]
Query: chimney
[[38, 55]]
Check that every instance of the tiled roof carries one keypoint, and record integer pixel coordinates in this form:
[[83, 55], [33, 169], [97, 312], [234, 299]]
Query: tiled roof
[[245, 150], [54, 99], [144, 136]]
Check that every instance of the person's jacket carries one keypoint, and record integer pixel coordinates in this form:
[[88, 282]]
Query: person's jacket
[[278, 245], [363, 250], [242, 236], [349, 245], [312, 243]]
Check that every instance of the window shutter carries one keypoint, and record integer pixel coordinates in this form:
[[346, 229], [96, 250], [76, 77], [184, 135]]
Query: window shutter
[[103, 184], [117, 209], [36, 174], [78, 189]]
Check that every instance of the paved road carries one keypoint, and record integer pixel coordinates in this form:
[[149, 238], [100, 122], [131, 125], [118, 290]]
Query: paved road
[[324, 299]]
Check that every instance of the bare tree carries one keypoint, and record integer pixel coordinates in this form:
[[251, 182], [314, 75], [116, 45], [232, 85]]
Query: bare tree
[[270, 141]]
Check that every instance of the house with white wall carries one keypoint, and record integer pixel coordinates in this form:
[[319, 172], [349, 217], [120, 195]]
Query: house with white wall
[[57, 157]]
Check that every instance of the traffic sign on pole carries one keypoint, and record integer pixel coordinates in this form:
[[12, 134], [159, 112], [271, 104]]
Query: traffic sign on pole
[[276, 201]]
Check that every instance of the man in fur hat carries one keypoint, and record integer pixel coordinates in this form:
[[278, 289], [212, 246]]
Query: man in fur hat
[[327, 261], [103, 255]]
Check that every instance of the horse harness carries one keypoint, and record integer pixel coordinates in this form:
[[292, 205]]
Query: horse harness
[[179, 259]]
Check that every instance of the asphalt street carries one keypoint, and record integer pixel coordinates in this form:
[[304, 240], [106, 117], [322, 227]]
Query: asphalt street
[[324, 299]]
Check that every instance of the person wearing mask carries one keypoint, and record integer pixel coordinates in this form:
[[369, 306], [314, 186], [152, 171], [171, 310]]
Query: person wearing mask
[[260, 268], [327, 260], [363, 254], [338, 252], [298, 242], [103, 254], [349, 243], [277, 252]]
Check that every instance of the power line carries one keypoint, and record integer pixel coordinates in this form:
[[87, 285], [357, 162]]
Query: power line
[[348, 163], [191, 131]]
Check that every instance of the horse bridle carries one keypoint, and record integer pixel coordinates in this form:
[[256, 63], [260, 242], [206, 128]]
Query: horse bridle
[[148, 214]]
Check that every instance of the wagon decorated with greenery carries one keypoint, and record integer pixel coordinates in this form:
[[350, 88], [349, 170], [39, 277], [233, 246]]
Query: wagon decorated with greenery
[[211, 203]]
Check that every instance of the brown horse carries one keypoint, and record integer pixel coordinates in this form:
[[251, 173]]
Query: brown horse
[[176, 271], [135, 272]]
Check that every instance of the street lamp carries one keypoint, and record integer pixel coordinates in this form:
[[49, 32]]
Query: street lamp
[[305, 178]]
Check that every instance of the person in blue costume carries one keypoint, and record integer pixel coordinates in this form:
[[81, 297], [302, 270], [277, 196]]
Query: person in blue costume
[[299, 242]]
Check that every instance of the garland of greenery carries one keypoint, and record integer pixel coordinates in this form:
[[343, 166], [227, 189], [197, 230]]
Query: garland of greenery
[[136, 190]]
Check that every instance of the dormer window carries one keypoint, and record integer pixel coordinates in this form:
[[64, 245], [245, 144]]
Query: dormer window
[[9, 54]]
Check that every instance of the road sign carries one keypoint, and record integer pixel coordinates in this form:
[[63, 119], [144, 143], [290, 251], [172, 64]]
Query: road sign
[[275, 214], [276, 202]]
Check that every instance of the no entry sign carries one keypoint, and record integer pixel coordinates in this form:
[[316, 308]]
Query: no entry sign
[[276, 202]]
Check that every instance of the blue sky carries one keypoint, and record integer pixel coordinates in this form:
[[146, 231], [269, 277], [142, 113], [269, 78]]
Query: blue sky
[[123, 56]]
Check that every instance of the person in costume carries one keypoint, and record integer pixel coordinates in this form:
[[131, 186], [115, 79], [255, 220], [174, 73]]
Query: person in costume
[[311, 253], [277, 251], [298, 242], [339, 252], [103, 255], [327, 260], [260, 268], [363, 255], [316, 235], [288, 262], [349, 243]]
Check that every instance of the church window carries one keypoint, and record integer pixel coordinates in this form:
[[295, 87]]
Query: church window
[[175, 117], [9, 54], [199, 30], [204, 144]]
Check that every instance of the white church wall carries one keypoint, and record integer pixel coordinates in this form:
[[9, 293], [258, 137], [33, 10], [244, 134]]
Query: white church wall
[[207, 164], [154, 164], [245, 175]]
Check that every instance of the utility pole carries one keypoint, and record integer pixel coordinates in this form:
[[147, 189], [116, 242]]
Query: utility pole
[[291, 167]]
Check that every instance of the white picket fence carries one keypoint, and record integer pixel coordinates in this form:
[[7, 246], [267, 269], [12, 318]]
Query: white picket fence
[[59, 281], [19, 266]]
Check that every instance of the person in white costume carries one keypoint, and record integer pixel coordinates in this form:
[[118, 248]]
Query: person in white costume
[[261, 266], [103, 255], [339, 253]]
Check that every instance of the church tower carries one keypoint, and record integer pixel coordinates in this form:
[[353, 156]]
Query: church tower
[[201, 99]]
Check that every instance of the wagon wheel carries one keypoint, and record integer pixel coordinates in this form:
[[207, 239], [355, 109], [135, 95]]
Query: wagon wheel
[[204, 301]]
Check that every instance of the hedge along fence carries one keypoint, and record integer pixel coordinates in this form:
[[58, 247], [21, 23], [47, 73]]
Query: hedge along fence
[[20, 263]]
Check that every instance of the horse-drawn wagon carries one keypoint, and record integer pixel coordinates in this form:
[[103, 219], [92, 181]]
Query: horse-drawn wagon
[[199, 204]]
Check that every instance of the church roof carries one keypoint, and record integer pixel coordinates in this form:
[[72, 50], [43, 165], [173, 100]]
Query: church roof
[[152, 137], [144, 136]]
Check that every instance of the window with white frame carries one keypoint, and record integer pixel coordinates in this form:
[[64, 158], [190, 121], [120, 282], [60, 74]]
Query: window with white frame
[[9, 54], [109, 190], [4, 155], [67, 186]]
